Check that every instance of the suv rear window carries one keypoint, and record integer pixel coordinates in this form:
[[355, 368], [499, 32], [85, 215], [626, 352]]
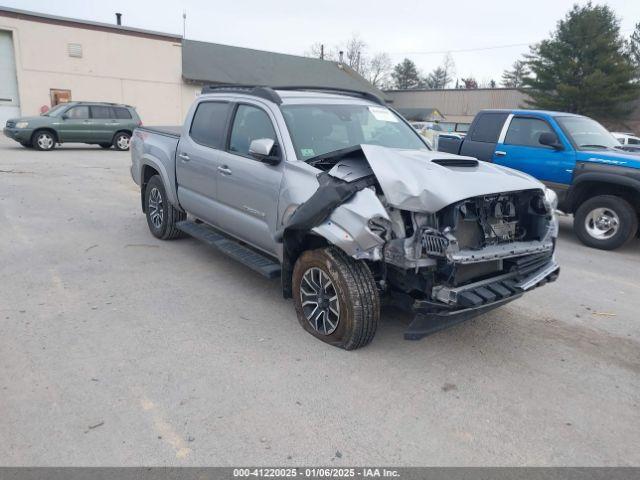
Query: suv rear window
[[209, 121], [487, 127], [122, 113]]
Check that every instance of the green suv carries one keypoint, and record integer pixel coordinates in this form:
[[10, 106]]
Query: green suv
[[104, 124]]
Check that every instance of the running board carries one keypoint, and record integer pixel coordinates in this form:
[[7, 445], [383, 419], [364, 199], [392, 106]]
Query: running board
[[242, 253]]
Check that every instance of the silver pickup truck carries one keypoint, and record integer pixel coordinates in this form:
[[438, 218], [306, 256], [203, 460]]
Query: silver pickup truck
[[336, 193]]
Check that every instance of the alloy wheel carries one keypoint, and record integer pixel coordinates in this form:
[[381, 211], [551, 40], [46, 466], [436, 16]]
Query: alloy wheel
[[602, 223], [122, 142], [45, 141], [156, 208], [319, 300]]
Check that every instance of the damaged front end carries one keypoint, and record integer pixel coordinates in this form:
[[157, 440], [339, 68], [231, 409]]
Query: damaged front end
[[446, 237]]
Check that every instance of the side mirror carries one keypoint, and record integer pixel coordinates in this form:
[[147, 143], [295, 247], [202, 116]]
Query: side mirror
[[262, 149], [550, 139], [64, 116]]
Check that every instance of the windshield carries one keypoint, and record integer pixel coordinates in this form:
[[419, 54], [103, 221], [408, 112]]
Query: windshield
[[54, 111], [319, 129], [586, 133]]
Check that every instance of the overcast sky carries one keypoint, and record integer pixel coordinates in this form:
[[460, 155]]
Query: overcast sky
[[421, 30]]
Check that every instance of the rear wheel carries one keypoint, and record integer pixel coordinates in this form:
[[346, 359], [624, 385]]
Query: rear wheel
[[605, 222], [161, 215], [336, 298], [121, 141], [43, 140]]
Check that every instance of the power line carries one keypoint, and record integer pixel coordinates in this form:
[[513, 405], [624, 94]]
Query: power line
[[480, 49], [442, 52]]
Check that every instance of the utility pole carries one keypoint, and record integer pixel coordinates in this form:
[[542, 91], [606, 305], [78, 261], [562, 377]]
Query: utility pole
[[184, 24], [322, 51]]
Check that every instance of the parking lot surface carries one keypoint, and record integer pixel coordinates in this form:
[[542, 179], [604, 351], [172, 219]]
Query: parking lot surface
[[120, 349]]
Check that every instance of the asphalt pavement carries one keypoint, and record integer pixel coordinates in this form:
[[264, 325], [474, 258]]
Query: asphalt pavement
[[120, 349]]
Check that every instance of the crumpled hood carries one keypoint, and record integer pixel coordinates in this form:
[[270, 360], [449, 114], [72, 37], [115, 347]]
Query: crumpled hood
[[411, 181]]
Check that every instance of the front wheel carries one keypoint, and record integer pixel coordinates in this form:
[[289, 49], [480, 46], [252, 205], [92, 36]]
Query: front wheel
[[161, 215], [43, 140], [605, 222], [336, 298], [121, 141]]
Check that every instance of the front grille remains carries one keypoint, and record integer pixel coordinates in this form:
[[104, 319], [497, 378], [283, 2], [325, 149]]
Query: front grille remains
[[434, 243]]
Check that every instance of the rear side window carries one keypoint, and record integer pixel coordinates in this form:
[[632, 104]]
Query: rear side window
[[487, 127], [208, 125], [78, 112], [526, 132], [100, 111], [633, 141], [122, 113]]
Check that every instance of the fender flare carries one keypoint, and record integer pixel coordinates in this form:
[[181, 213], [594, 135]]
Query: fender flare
[[601, 178], [153, 162]]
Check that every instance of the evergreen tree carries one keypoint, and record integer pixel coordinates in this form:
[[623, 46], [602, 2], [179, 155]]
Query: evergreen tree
[[405, 75], [634, 49], [584, 67], [513, 78]]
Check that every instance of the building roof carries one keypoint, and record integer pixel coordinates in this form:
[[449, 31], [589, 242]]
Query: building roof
[[87, 24], [204, 62]]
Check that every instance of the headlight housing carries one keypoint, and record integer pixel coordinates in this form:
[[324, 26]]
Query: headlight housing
[[22, 124], [550, 199]]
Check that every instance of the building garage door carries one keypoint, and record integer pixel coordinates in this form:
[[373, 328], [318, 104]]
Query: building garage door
[[9, 100]]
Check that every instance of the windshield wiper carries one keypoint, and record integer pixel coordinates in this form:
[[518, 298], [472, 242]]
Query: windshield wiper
[[595, 146]]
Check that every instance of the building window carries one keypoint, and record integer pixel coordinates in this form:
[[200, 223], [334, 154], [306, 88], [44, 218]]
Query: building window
[[59, 96], [75, 50]]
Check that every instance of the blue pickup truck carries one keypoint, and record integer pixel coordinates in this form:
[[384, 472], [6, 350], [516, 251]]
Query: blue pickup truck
[[578, 158]]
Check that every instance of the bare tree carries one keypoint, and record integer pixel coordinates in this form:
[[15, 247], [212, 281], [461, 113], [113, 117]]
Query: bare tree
[[355, 54], [378, 69]]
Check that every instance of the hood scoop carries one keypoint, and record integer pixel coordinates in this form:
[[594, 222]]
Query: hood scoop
[[456, 162]]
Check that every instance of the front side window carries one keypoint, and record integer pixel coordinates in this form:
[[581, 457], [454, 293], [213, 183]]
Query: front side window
[[633, 141], [586, 133], [319, 129], [250, 123], [78, 113], [526, 132], [209, 124], [99, 111]]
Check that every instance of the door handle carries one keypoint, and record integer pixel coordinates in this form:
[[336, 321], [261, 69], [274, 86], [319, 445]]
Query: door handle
[[500, 153], [224, 170], [184, 157]]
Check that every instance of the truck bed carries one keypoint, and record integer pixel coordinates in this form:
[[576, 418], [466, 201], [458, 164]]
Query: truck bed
[[167, 130]]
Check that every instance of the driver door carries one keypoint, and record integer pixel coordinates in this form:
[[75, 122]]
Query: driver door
[[520, 149], [248, 189], [75, 125]]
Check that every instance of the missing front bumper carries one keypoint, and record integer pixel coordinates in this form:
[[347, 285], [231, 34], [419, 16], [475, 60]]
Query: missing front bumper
[[476, 299]]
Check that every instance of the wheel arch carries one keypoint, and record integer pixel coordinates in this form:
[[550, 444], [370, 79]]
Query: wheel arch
[[591, 185], [45, 129], [151, 166], [294, 244]]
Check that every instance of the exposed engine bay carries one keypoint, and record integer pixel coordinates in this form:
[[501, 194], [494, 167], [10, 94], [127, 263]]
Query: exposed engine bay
[[426, 251]]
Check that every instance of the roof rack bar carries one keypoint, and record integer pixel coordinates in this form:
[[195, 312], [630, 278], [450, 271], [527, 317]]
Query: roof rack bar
[[269, 93], [358, 93], [256, 90]]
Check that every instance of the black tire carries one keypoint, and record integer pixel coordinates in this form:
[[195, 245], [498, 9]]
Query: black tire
[[357, 297], [585, 222], [105, 145], [165, 228], [43, 140], [121, 141]]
